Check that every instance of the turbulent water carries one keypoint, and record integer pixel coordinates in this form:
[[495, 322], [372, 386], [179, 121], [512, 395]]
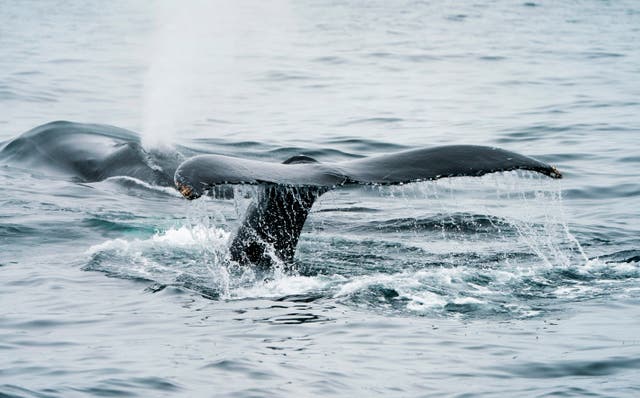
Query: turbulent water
[[511, 284]]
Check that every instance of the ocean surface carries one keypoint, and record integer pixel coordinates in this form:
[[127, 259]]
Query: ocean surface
[[511, 284]]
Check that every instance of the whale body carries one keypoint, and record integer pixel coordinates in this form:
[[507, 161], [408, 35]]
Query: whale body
[[88, 153], [274, 220]]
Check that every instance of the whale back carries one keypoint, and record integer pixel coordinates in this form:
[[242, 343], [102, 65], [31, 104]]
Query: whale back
[[87, 152]]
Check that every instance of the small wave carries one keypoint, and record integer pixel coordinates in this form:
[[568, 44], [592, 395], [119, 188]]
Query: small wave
[[331, 60], [350, 209], [287, 152], [601, 54], [235, 144], [65, 61], [373, 120], [420, 58], [630, 159], [455, 222], [27, 73], [366, 145], [6, 94], [379, 54], [217, 121], [603, 192], [624, 256], [109, 226], [15, 230], [492, 58], [457, 17], [115, 386], [280, 76], [539, 370], [539, 131]]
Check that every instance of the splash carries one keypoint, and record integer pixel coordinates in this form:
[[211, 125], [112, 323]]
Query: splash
[[520, 209], [170, 257], [205, 227], [492, 247]]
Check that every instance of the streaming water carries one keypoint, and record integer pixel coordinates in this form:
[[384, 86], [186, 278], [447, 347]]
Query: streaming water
[[511, 284]]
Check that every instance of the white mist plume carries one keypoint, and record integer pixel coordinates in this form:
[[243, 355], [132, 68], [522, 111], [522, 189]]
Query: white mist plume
[[180, 57], [194, 67]]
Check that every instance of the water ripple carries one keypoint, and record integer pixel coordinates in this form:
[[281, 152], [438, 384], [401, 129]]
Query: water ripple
[[541, 370]]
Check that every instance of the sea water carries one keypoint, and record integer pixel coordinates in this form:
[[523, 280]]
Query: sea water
[[505, 285]]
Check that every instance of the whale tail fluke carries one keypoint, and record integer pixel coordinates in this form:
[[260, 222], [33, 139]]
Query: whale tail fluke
[[275, 219]]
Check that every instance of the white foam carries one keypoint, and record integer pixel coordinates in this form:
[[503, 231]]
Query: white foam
[[189, 236], [281, 286], [364, 282], [167, 190], [174, 237], [468, 300], [425, 300]]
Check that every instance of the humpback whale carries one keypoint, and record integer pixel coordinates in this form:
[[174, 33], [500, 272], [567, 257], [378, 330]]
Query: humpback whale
[[274, 220], [286, 191], [89, 153]]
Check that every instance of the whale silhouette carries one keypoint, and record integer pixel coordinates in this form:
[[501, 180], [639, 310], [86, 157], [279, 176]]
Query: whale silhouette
[[274, 220], [89, 153]]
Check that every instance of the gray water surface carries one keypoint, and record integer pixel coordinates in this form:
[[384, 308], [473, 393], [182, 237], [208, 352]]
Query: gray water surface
[[505, 285]]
